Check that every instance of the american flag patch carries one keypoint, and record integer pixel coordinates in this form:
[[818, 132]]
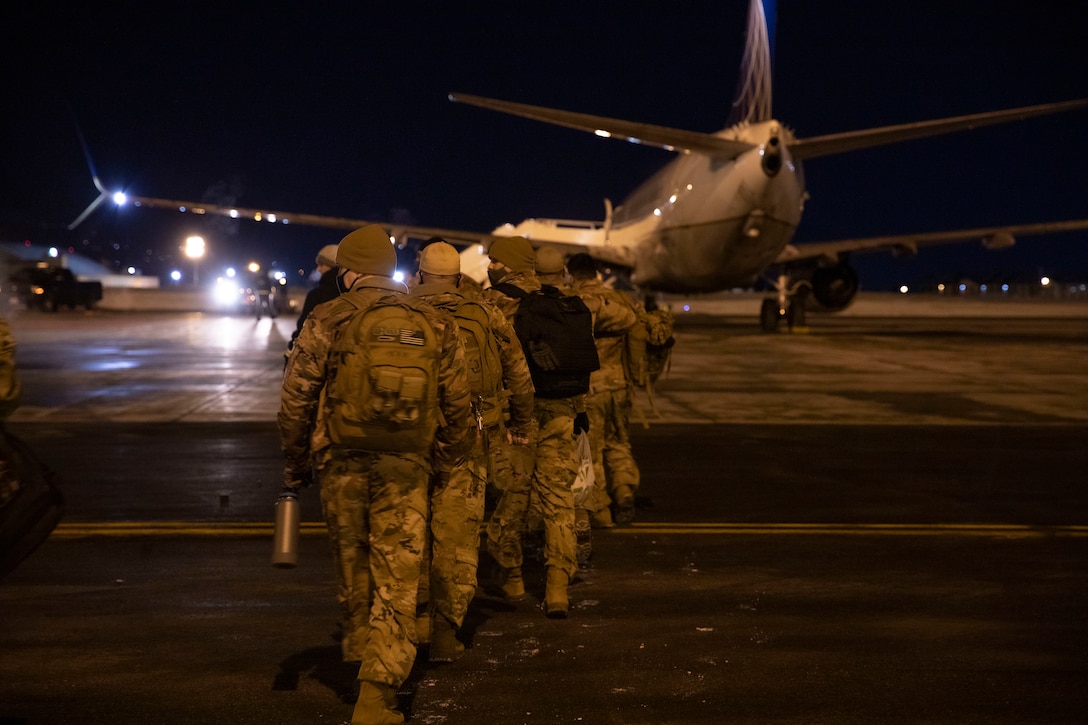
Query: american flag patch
[[402, 336]]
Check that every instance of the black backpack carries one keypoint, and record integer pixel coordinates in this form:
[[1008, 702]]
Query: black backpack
[[556, 333]]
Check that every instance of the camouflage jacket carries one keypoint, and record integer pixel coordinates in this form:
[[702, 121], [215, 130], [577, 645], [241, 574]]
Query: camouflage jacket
[[613, 316], [515, 371], [302, 419]]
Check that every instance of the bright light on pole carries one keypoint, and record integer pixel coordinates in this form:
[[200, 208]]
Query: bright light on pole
[[194, 250]]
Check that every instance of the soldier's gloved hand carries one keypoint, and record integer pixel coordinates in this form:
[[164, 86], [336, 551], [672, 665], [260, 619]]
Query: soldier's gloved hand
[[295, 478], [581, 423]]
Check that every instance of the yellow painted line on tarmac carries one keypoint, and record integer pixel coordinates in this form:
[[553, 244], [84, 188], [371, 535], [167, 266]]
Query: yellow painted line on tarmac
[[175, 528], [1017, 531], [66, 530]]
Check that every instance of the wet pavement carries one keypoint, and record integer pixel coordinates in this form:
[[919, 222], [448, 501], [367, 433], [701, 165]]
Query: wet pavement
[[882, 520]]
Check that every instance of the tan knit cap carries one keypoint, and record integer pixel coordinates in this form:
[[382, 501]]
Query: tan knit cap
[[549, 260], [515, 252], [440, 258], [367, 251]]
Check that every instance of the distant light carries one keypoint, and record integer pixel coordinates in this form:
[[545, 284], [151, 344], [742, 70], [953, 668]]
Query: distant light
[[1004, 288], [254, 267], [963, 288], [120, 198], [672, 199], [226, 292], [194, 247], [982, 288], [392, 240], [602, 133], [181, 208], [132, 270], [272, 218], [398, 276], [257, 217], [233, 213], [278, 274], [687, 308], [1045, 281], [904, 289], [657, 212], [231, 272], [53, 252], [940, 287], [175, 275]]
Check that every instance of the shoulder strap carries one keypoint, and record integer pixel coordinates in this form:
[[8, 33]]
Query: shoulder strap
[[511, 290]]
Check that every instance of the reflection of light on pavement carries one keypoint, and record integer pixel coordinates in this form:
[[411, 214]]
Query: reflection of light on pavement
[[232, 333], [106, 365]]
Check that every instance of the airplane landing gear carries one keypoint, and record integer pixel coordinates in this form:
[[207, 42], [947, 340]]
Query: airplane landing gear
[[789, 305]]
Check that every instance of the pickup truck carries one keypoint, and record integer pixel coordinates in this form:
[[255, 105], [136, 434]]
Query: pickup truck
[[51, 288]]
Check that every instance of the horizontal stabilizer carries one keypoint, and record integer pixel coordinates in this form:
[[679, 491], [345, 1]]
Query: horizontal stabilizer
[[671, 139], [810, 148]]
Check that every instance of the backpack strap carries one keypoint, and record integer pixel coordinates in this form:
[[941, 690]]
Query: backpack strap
[[511, 290]]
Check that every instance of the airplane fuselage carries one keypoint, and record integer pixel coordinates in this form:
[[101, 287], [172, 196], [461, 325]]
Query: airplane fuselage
[[699, 223]]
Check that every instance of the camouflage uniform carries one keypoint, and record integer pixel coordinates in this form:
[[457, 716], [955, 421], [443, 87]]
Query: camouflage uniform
[[457, 506], [610, 395], [375, 503], [9, 401], [553, 471]]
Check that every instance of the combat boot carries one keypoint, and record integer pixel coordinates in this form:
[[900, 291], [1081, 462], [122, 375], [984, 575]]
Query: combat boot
[[625, 505], [377, 705], [511, 584], [556, 603], [445, 647]]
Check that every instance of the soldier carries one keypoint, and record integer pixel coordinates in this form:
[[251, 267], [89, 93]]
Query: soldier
[[327, 288], [497, 370], [511, 272], [374, 473], [610, 397], [551, 268]]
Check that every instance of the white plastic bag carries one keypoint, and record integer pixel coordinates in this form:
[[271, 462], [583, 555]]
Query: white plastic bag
[[583, 482]]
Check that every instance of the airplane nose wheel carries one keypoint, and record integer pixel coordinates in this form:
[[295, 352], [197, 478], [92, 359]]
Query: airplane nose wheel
[[771, 312]]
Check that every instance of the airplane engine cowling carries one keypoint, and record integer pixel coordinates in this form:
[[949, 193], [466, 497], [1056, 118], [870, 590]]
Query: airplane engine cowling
[[834, 287]]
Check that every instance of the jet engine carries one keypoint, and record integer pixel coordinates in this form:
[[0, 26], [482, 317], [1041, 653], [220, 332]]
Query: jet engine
[[834, 287]]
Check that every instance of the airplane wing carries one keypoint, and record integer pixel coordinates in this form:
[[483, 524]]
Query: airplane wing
[[991, 238], [809, 148], [283, 217], [670, 139]]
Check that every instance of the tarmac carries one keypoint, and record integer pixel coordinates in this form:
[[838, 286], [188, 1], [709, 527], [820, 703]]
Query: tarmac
[[880, 518]]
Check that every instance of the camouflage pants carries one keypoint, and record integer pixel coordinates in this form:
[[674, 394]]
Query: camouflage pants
[[554, 469], [376, 511], [448, 578], [609, 437]]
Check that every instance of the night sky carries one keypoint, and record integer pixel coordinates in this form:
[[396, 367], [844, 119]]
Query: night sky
[[341, 109]]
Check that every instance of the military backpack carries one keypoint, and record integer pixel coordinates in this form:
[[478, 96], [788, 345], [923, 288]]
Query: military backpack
[[383, 391], [556, 333], [482, 360]]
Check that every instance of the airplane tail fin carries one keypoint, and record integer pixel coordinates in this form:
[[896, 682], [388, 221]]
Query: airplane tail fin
[[753, 100]]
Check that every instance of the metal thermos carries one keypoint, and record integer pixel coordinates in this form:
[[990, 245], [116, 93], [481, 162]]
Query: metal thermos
[[285, 539]]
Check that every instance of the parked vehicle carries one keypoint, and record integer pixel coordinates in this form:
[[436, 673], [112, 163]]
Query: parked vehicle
[[50, 288]]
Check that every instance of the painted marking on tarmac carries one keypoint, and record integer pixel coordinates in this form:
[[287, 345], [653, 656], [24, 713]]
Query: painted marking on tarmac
[[259, 528]]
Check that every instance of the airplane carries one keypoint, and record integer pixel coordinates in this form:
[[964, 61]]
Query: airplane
[[720, 216]]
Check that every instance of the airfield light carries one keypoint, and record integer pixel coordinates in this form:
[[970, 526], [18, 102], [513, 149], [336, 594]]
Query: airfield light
[[1045, 281], [940, 287], [231, 272], [254, 267], [132, 270], [983, 288], [1005, 287], [175, 275], [903, 289], [53, 252], [963, 288], [194, 250], [602, 133], [120, 198]]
